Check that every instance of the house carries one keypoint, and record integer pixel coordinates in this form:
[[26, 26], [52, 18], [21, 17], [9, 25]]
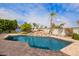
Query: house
[[76, 30], [60, 32]]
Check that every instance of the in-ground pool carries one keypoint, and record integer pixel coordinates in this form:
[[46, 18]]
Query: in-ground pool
[[48, 43]]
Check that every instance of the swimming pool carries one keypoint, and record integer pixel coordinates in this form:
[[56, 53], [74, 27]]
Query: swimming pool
[[47, 43]]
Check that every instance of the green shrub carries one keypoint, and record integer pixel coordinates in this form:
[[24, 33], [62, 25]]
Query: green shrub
[[75, 36], [26, 27], [0, 30], [7, 25]]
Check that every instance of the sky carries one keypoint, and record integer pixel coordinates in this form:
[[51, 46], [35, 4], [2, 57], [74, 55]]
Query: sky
[[67, 13]]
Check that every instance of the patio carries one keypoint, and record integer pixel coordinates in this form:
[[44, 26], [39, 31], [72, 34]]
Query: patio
[[13, 48]]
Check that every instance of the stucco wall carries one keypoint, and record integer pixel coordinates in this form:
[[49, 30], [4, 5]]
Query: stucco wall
[[57, 32], [76, 30]]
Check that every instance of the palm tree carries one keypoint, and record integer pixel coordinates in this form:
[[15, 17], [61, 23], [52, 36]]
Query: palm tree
[[61, 28], [61, 25], [52, 25]]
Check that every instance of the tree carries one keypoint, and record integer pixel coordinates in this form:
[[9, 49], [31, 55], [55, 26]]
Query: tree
[[52, 25], [26, 27], [7, 25], [35, 25], [14, 24], [60, 28]]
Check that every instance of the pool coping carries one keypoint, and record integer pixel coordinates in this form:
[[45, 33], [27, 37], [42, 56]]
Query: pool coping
[[72, 49]]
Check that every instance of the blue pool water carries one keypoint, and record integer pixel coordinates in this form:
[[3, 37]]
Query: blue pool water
[[41, 42]]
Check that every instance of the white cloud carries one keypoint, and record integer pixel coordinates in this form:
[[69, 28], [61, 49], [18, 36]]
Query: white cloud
[[9, 14], [37, 14], [43, 20], [63, 19]]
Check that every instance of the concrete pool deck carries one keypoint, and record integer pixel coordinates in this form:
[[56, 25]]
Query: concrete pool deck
[[72, 49], [14, 48]]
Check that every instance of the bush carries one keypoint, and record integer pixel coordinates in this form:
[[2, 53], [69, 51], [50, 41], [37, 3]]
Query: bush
[[75, 36], [7, 25], [26, 27], [0, 30]]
